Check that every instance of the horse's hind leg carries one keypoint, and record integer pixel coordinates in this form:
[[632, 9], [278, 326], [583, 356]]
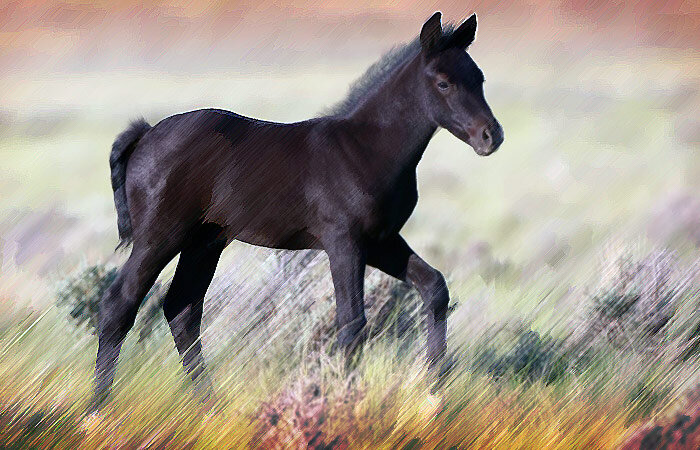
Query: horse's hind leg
[[184, 301], [118, 308]]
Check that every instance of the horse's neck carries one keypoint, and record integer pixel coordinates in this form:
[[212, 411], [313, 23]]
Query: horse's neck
[[391, 124]]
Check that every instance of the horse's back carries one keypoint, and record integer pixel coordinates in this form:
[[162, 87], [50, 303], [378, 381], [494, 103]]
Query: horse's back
[[217, 166]]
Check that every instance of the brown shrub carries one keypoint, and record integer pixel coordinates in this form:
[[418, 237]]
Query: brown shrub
[[299, 418], [637, 302], [679, 432]]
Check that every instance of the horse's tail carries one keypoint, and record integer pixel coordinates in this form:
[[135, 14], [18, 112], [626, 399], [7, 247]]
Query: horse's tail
[[121, 149]]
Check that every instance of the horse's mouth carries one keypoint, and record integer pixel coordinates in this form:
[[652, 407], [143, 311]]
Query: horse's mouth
[[481, 150], [485, 151]]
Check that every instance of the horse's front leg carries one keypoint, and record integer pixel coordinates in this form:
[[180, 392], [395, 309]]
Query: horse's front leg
[[394, 257], [347, 257]]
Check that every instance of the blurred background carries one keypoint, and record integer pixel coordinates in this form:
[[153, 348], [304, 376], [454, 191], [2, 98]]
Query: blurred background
[[586, 222]]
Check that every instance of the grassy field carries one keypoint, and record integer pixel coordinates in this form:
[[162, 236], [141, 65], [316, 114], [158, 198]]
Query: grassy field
[[598, 176]]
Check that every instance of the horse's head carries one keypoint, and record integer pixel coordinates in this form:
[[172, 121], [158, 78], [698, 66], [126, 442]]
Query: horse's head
[[454, 92]]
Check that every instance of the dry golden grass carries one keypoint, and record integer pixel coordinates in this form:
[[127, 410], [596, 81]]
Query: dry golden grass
[[496, 418]]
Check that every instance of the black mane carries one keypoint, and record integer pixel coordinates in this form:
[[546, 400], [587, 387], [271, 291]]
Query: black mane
[[379, 72]]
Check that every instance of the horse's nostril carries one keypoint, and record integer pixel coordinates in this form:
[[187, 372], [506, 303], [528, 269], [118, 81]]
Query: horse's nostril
[[485, 135]]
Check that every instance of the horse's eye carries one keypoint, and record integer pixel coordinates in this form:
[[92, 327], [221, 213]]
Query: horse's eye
[[442, 85]]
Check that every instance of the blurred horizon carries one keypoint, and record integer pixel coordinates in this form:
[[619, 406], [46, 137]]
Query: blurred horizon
[[193, 37]]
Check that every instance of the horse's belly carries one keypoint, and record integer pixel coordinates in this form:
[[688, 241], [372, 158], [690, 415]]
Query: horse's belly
[[275, 224], [272, 237]]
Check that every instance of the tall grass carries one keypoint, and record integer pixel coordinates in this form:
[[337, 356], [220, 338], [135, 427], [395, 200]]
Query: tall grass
[[511, 386], [598, 154]]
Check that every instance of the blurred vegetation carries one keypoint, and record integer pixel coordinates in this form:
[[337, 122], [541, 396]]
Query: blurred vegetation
[[80, 295], [522, 355], [570, 256]]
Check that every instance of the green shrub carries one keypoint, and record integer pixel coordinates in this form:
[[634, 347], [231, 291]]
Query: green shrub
[[80, 295], [516, 352], [644, 398]]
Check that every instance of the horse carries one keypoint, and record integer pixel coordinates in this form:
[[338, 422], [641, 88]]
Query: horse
[[344, 183]]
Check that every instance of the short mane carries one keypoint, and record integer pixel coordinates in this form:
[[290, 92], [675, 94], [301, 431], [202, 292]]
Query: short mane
[[379, 72]]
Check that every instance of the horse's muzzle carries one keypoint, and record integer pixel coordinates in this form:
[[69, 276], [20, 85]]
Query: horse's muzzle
[[489, 138]]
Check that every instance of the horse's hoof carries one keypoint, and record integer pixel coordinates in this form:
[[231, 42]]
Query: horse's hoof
[[91, 423], [431, 406]]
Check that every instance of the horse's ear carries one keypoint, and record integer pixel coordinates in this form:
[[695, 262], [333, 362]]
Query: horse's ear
[[465, 33], [431, 34]]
